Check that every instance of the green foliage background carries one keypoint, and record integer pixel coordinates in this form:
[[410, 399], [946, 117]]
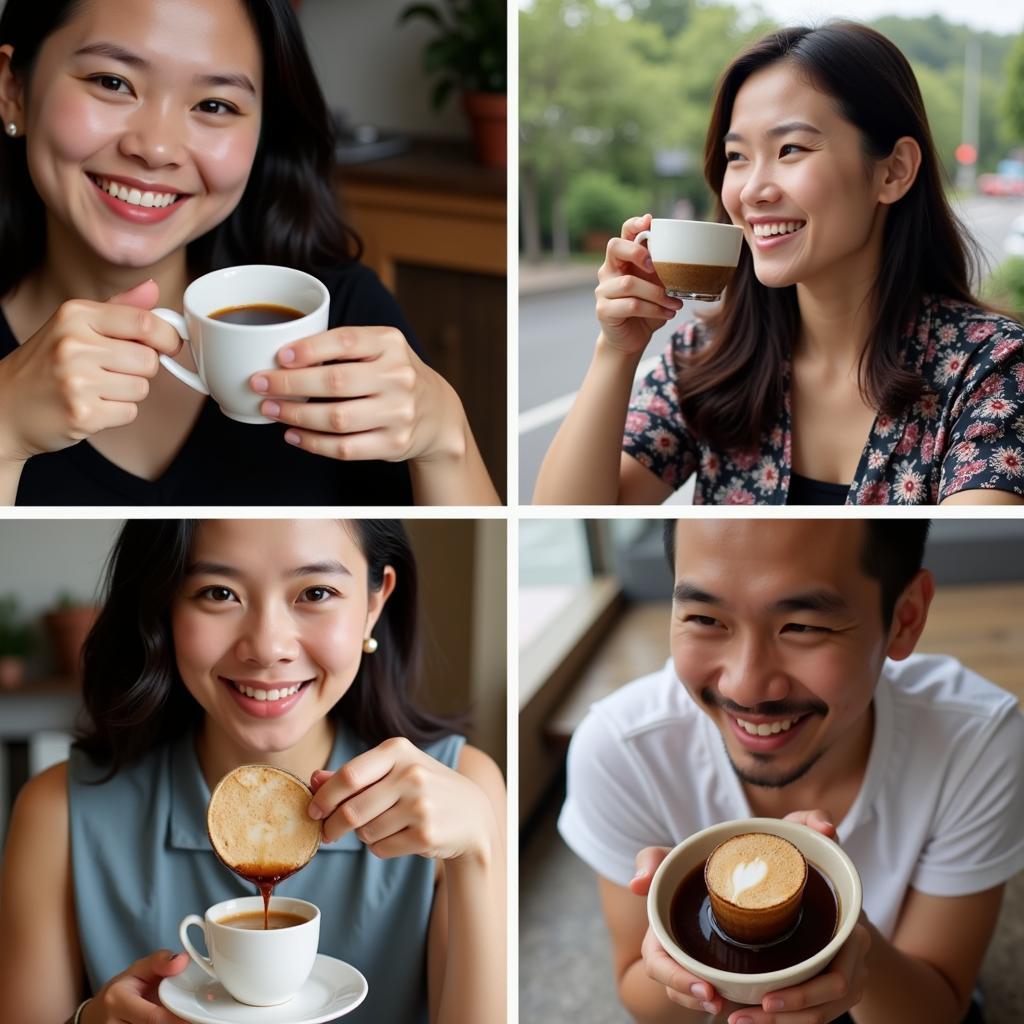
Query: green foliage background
[[606, 85]]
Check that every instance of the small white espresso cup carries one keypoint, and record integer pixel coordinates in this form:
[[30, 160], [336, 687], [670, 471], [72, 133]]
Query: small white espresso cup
[[228, 354], [689, 255], [256, 967], [819, 850]]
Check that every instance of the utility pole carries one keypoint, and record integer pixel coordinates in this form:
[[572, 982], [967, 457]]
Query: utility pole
[[967, 168]]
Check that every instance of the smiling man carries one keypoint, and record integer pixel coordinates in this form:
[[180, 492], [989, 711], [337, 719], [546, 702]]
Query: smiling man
[[793, 690]]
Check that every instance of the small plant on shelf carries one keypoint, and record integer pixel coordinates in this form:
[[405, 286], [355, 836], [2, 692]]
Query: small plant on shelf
[[17, 641], [469, 54]]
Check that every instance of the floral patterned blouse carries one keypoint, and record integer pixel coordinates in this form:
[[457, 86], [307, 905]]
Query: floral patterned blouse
[[966, 431]]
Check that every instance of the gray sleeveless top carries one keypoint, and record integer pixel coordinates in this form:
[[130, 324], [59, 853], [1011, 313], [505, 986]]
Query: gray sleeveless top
[[141, 861]]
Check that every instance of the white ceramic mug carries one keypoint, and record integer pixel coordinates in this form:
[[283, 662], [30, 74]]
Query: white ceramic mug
[[693, 241], [256, 967], [228, 354], [819, 850], [688, 253]]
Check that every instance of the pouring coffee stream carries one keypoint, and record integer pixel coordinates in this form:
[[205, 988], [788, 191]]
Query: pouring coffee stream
[[259, 828]]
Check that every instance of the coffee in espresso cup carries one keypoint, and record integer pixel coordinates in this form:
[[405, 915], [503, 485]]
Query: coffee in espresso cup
[[236, 321], [695, 259], [257, 966]]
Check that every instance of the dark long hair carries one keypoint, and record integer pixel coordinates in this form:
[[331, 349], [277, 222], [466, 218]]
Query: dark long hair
[[732, 391], [134, 696], [288, 214]]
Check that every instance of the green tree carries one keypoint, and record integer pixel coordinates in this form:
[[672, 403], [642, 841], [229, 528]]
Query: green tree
[[598, 202], [583, 90], [671, 15], [1013, 91], [942, 94]]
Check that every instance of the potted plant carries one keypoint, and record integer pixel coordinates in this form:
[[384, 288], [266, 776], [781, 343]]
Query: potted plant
[[16, 642], [469, 53], [68, 625]]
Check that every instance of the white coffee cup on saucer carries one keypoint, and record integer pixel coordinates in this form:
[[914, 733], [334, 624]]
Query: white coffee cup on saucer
[[228, 354], [256, 967]]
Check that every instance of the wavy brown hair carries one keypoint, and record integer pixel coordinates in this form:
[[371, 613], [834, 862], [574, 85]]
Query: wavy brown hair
[[731, 391]]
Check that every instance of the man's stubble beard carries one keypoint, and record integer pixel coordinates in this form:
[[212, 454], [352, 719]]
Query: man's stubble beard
[[767, 779]]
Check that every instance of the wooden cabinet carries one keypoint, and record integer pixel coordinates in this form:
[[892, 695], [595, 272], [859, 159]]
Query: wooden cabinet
[[434, 226]]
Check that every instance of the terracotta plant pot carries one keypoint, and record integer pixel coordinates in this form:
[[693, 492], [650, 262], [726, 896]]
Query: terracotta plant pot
[[12, 671], [68, 628], [488, 114]]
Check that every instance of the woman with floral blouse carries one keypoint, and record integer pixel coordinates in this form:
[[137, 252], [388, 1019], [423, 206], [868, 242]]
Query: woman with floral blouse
[[849, 361]]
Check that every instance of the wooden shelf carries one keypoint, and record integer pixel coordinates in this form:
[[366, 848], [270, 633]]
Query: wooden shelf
[[433, 223]]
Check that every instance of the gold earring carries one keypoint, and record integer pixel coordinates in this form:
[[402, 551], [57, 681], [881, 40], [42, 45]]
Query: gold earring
[[369, 645]]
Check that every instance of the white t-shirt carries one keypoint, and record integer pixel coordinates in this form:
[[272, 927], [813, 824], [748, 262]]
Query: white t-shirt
[[941, 807]]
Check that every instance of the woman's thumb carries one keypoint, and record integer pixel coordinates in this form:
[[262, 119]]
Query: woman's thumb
[[165, 964], [144, 296]]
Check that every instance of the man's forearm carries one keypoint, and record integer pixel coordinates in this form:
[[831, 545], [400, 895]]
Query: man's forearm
[[647, 1002], [902, 987]]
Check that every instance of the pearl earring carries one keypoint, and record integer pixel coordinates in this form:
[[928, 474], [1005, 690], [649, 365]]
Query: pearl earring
[[12, 129], [369, 645]]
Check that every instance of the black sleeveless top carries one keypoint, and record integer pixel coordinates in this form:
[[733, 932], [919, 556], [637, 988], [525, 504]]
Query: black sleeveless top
[[223, 462], [805, 491]]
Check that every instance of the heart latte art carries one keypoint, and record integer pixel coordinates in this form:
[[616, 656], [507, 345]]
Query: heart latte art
[[746, 876]]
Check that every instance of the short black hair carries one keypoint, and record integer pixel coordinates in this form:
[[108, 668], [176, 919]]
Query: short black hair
[[893, 554]]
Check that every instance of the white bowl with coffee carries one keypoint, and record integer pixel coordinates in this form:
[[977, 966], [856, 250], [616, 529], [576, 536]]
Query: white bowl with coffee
[[783, 925]]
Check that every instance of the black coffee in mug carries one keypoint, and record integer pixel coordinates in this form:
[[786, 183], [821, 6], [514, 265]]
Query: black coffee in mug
[[258, 314], [696, 931]]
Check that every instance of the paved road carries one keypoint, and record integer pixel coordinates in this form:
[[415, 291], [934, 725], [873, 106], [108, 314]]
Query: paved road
[[557, 332]]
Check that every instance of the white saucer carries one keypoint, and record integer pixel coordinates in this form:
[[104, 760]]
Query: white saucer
[[334, 988]]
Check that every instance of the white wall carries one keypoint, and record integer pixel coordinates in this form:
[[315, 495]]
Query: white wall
[[42, 558], [373, 68]]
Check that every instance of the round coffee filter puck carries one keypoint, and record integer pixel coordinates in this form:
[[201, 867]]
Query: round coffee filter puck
[[258, 823]]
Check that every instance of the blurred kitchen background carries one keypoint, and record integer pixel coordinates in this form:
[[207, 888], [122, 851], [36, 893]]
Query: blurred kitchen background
[[425, 194], [50, 577], [594, 609]]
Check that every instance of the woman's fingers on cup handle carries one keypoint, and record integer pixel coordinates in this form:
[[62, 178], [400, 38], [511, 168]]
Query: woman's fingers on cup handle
[[632, 227], [625, 256], [818, 819], [647, 862], [620, 310]]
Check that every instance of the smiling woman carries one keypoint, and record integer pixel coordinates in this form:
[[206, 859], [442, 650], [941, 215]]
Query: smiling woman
[[148, 142], [293, 644], [849, 361]]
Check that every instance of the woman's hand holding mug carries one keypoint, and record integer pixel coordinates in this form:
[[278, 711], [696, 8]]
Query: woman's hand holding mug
[[85, 370], [131, 997], [631, 300], [377, 398]]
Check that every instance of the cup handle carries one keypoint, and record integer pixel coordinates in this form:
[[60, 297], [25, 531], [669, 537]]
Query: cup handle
[[641, 238], [203, 961], [193, 380]]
